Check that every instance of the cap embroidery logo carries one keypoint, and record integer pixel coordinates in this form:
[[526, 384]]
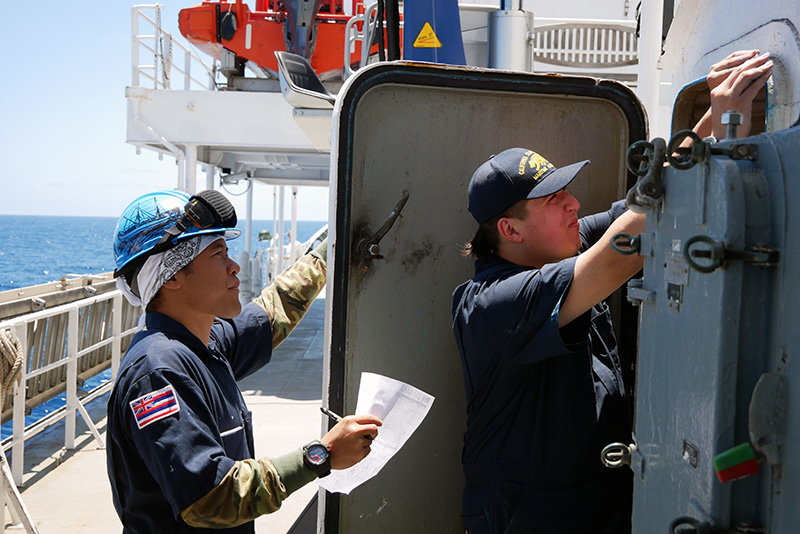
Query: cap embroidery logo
[[154, 406], [539, 166]]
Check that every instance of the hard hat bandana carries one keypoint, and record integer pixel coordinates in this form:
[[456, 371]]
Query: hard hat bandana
[[161, 267]]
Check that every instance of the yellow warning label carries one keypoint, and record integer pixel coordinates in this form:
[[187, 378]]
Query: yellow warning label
[[427, 38]]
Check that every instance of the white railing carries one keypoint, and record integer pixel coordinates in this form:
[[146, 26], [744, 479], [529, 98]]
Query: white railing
[[164, 48], [19, 327], [367, 22], [586, 44]]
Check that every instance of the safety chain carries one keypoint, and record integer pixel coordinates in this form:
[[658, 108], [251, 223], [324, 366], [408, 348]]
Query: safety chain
[[166, 60], [10, 360], [157, 45]]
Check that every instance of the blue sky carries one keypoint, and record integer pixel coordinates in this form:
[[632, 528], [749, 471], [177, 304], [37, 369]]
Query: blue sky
[[63, 112]]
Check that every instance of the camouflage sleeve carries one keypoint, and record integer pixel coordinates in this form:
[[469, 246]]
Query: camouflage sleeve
[[288, 298], [250, 489]]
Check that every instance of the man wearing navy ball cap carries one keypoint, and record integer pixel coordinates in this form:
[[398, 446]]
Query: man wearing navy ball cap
[[541, 370]]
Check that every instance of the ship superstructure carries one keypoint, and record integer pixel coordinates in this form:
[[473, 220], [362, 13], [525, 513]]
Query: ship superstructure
[[395, 140]]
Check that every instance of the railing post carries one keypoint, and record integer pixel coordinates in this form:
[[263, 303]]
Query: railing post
[[135, 46], [187, 69], [18, 416], [210, 171], [294, 253], [72, 379], [181, 160], [280, 235], [116, 331], [190, 168], [156, 41], [248, 224]]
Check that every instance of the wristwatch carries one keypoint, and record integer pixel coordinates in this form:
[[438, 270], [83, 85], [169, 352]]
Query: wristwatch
[[317, 456]]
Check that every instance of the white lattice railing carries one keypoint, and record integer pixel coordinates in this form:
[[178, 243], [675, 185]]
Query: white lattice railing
[[586, 44], [172, 61], [77, 337]]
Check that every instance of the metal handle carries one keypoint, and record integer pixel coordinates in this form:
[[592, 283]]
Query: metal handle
[[632, 244], [639, 164], [716, 253], [616, 455], [687, 157], [648, 191], [368, 249]]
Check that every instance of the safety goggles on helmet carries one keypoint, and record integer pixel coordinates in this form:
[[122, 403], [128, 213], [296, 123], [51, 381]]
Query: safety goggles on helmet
[[157, 221]]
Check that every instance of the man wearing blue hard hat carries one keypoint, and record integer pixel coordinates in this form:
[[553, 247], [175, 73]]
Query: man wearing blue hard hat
[[543, 379], [180, 437]]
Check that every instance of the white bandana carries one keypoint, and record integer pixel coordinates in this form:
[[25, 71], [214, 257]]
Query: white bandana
[[162, 266]]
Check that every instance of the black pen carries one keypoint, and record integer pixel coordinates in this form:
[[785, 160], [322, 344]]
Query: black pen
[[330, 414], [337, 418]]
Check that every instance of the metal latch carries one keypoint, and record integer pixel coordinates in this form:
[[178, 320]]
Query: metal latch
[[617, 455], [368, 248], [648, 191], [718, 254], [699, 150], [637, 294], [626, 244]]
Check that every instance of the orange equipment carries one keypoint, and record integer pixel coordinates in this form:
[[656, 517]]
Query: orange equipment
[[256, 35]]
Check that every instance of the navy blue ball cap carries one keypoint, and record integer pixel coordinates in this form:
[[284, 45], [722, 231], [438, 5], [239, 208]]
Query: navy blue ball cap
[[513, 175]]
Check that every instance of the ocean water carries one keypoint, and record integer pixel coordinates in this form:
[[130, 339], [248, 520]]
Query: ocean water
[[35, 250]]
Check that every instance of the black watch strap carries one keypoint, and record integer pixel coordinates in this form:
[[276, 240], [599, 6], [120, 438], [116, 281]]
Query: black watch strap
[[317, 456]]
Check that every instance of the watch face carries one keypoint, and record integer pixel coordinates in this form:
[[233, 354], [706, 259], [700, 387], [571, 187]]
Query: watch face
[[317, 454]]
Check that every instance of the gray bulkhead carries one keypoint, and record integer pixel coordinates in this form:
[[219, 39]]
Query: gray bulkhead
[[716, 360], [718, 340], [423, 129]]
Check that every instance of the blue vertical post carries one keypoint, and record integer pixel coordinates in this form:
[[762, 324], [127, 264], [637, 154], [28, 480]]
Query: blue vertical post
[[432, 32]]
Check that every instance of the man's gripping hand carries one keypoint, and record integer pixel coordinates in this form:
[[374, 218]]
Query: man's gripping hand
[[350, 439], [734, 83]]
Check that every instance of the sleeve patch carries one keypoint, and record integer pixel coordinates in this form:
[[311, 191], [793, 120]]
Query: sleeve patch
[[154, 406]]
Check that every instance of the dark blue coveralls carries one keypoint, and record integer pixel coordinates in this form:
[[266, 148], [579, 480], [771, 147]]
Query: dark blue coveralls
[[173, 460], [542, 402]]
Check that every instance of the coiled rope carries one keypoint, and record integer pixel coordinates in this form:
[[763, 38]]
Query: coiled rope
[[10, 360]]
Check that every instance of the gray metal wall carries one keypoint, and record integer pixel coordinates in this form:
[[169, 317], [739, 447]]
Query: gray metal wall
[[717, 359]]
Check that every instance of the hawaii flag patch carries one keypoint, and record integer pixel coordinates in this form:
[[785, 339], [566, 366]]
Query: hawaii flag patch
[[154, 406]]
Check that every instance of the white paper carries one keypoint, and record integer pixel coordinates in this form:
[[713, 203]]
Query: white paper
[[401, 407]]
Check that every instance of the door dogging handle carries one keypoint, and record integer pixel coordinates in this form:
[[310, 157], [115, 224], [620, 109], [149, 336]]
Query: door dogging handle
[[626, 244], [368, 249], [715, 253], [617, 455], [648, 191], [685, 158]]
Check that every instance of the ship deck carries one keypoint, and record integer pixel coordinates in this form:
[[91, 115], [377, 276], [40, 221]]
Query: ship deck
[[68, 492]]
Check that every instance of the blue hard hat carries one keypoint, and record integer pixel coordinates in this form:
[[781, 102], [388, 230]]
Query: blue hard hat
[[157, 221]]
